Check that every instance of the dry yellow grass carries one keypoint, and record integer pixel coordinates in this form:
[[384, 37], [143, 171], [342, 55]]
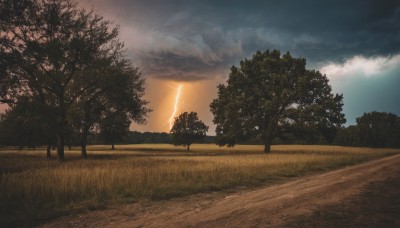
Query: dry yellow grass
[[36, 187]]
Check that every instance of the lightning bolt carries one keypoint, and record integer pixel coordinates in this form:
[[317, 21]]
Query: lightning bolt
[[171, 118]]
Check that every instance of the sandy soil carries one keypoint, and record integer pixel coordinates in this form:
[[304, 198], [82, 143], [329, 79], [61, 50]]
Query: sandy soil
[[261, 207]]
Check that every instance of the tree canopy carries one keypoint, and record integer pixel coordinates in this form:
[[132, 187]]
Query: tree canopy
[[66, 57], [188, 129], [269, 91]]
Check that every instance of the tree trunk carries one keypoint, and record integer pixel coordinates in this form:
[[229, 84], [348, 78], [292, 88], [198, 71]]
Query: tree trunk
[[83, 152], [269, 133], [112, 146], [84, 141], [267, 147], [60, 146], [83, 145], [61, 128], [49, 149], [187, 147], [267, 141]]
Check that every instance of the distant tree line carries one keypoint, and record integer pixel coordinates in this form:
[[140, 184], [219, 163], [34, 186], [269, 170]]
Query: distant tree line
[[135, 137], [23, 137], [373, 129]]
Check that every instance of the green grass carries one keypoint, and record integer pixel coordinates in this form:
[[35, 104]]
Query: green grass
[[34, 188]]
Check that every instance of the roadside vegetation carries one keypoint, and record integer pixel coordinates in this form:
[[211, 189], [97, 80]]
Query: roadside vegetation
[[33, 188]]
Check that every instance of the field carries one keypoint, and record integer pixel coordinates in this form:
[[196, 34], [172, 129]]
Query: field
[[34, 189]]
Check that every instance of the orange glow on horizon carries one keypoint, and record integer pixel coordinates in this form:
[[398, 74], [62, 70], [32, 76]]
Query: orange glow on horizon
[[177, 97], [194, 97]]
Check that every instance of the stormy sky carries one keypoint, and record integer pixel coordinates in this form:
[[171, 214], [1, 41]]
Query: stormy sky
[[356, 43]]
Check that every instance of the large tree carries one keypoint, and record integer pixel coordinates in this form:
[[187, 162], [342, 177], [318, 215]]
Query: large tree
[[121, 95], [113, 127], [57, 52], [268, 91], [188, 129]]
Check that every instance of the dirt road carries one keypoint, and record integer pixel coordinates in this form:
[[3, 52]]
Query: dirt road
[[261, 207]]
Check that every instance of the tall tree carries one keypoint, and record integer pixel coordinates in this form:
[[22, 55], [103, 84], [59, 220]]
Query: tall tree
[[269, 90], [188, 129], [113, 127], [122, 94], [57, 52]]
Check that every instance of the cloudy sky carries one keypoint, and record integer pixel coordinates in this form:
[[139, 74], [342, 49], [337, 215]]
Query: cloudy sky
[[356, 43]]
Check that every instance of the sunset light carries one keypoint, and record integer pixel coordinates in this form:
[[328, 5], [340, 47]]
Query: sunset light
[[178, 94]]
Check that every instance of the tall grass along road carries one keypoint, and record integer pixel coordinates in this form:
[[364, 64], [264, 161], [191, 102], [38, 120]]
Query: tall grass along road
[[262, 207], [34, 189]]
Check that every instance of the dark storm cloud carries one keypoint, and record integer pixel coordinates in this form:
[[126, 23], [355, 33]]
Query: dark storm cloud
[[164, 66], [355, 42], [365, 94], [192, 40]]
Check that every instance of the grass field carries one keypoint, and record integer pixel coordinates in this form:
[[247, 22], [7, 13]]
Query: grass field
[[34, 188]]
